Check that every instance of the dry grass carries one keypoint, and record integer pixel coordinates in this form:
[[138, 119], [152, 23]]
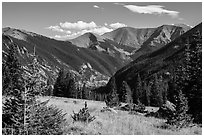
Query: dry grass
[[108, 123]]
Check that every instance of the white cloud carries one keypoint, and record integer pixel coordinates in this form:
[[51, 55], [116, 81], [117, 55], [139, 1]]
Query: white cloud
[[101, 30], [68, 36], [151, 9], [55, 28], [78, 25], [95, 6], [73, 30], [117, 25]]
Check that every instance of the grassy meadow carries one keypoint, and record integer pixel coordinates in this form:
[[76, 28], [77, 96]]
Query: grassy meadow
[[109, 123]]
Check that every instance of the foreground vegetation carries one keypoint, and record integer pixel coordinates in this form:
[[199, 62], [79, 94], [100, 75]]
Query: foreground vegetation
[[22, 113], [110, 123]]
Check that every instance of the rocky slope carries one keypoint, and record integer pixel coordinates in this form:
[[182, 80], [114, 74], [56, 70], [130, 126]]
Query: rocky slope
[[159, 38], [100, 44], [130, 36], [146, 40]]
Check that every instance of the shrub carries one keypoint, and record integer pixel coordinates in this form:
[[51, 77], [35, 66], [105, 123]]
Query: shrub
[[83, 115], [138, 107], [134, 108]]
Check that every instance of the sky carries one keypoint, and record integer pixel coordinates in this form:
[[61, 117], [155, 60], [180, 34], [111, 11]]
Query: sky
[[67, 20]]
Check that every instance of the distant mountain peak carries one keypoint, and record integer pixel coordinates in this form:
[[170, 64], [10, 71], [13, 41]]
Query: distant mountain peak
[[85, 39], [136, 37]]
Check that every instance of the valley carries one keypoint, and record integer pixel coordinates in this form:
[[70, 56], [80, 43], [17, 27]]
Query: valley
[[135, 81], [105, 54]]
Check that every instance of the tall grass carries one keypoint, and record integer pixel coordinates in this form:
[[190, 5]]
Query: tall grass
[[120, 123]]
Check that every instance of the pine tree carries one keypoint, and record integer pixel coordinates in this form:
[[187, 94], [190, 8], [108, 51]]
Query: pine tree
[[35, 79], [13, 107], [33, 86], [65, 85], [17, 106], [156, 90], [22, 114], [195, 83], [180, 79], [123, 91], [72, 85], [128, 93], [180, 118], [59, 86], [12, 72], [37, 114], [147, 88], [112, 98], [138, 90], [84, 91]]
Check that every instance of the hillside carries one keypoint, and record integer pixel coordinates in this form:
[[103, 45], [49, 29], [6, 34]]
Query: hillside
[[129, 36], [53, 54], [146, 40], [159, 61], [159, 38], [99, 43], [105, 54]]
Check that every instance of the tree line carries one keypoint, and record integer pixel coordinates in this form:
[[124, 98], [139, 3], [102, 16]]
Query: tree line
[[67, 85]]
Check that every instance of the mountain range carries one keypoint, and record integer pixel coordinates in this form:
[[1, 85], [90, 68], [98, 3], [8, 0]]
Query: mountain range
[[103, 54], [160, 61]]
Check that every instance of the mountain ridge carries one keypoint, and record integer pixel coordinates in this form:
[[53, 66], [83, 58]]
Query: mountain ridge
[[157, 61], [104, 55], [53, 54]]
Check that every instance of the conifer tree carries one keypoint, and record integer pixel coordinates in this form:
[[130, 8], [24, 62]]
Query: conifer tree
[[156, 90], [180, 118], [12, 72], [84, 91], [128, 93], [147, 88], [138, 90], [22, 114], [195, 83], [13, 107], [59, 86], [65, 85], [112, 98], [123, 91], [71, 89]]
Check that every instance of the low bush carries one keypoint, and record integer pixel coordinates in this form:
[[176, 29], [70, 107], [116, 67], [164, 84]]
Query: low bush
[[83, 115]]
